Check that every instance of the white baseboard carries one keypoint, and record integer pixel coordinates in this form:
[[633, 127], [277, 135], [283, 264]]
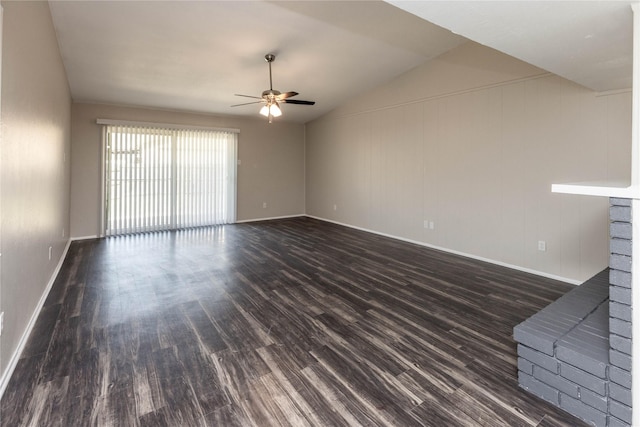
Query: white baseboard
[[6, 376], [270, 218], [73, 239], [454, 252]]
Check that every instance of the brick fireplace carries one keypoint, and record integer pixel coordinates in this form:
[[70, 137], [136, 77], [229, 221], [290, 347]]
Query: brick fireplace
[[576, 352]]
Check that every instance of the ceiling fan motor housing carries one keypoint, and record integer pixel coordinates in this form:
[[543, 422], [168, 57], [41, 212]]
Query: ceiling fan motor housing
[[270, 93]]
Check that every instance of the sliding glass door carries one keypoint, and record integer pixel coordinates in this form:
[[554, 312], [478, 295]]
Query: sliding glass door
[[161, 179]]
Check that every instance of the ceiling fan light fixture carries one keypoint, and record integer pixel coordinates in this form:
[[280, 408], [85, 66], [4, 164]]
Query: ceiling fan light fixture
[[275, 110], [270, 97], [271, 109]]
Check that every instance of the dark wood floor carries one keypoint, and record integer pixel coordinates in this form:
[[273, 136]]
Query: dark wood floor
[[288, 322]]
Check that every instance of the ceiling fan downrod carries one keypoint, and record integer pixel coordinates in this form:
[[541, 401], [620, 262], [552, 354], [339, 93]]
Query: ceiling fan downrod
[[269, 57]]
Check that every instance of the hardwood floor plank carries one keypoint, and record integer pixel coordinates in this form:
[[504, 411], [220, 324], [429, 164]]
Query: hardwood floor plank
[[158, 418], [48, 403], [286, 369], [485, 411], [110, 408], [207, 334], [226, 416], [40, 337], [292, 322], [64, 344], [341, 399], [182, 405], [368, 388]]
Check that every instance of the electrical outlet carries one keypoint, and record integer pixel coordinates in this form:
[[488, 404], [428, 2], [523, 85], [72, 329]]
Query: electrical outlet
[[426, 223], [335, 207], [264, 205], [50, 249], [542, 246], [431, 225]]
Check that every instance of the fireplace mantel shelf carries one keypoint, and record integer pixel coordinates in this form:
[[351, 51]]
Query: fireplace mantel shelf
[[604, 189]]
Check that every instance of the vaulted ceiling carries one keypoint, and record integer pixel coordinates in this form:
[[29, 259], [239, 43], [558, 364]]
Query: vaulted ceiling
[[195, 55]]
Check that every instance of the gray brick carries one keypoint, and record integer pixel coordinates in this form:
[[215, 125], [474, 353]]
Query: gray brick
[[586, 361], [584, 379], [620, 213], [525, 366], [538, 388], [620, 246], [620, 394], [620, 376], [620, 294], [620, 360], [619, 201], [588, 297], [553, 323], [620, 262], [620, 327], [620, 311], [537, 358], [601, 403], [556, 381], [619, 410], [533, 338], [620, 230], [550, 324], [580, 410], [616, 422], [620, 278], [621, 344]]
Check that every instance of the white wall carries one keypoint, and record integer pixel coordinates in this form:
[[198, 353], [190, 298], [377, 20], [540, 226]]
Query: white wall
[[271, 155], [472, 142], [34, 169]]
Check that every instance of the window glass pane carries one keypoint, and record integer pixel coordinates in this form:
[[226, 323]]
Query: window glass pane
[[158, 179]]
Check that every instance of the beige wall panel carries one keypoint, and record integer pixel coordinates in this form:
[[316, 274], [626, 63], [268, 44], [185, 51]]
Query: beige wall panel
[[378, 173], [594, 234], [35, 169], [618, 129], [512, 162], [543, 142], [344, 170], [317, 168], [411, 171], [355, 167], [272, 169], [398, 171], [271, 155], [431, 172], [332, 205], [478, 161]]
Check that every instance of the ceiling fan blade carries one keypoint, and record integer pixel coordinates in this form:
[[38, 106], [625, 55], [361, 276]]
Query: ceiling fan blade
[[248, 96], [286, 95], [247, 103], [298, 101]]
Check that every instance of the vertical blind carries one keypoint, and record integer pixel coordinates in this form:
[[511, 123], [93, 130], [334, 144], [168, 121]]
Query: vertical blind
[[165, 178]]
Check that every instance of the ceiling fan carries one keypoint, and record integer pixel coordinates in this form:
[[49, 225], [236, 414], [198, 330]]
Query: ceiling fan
[[271, 98]]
